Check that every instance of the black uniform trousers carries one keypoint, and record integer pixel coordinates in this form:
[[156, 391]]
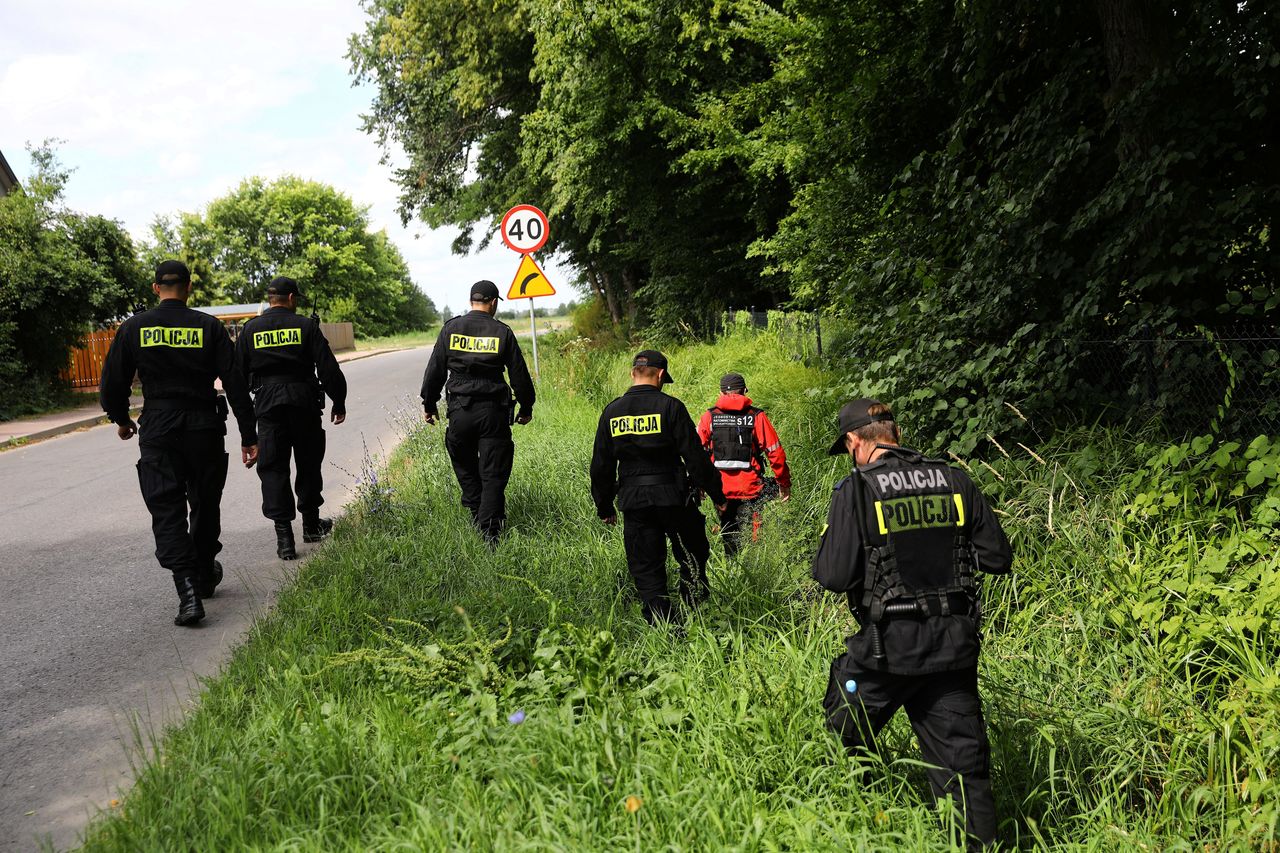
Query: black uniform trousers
[[738, 510], [945, 711], [644, 536], [479, 443], [182, 474], [285, 431]]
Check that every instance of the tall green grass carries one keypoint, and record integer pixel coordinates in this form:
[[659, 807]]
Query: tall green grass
[[413, 690]]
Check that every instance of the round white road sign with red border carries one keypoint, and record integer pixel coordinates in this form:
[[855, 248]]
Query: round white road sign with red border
[[524, 229]]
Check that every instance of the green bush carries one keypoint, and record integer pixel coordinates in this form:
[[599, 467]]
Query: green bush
[[60, 273]]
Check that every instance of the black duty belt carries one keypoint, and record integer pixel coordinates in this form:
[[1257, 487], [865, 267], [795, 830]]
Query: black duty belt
[[282, 377], [649, 480], [910, 608], [469, 401], [179, 404]]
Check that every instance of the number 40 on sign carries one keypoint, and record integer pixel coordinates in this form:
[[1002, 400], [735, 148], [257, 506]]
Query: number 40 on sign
[[524, 229]]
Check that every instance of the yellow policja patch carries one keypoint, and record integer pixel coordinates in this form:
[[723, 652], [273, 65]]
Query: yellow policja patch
[[919, 512], [171, 336], [277, 338], [635, 425], [466, 343]]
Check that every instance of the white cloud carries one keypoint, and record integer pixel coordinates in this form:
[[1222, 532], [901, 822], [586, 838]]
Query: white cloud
[[163, 107]]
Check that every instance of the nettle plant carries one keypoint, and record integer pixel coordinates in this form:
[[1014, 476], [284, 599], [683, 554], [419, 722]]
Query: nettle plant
[[1211, 510]]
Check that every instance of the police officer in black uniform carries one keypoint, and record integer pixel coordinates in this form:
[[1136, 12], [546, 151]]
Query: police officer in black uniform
[[904, 535], [280, 355], [177, 353], [473, 351], [649, 458]]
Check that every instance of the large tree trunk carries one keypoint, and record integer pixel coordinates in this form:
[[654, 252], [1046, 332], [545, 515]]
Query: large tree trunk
[[604, 290], [1136, 39], [630, 284]]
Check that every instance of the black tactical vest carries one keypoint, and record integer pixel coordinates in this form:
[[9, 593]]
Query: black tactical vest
[[476, 355], [280, 347], [175, 349], [919, 558], [733, 438]]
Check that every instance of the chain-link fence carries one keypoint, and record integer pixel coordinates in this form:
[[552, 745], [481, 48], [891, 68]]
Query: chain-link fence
[[1226, 379], [1188, 381]]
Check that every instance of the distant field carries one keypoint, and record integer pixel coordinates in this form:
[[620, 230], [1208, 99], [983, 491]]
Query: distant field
[[422, 339], [407, 340], [545, 324]]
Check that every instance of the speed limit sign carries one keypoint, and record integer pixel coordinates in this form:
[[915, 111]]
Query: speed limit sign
[[524, 229]]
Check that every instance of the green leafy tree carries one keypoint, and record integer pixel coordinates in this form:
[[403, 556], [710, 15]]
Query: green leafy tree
[[976, 188], [308, 231], [980, 187], [61, 272], [588, 109]]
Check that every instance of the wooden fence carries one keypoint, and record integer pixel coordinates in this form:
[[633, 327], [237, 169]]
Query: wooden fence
[[341, 335], [85, 369]]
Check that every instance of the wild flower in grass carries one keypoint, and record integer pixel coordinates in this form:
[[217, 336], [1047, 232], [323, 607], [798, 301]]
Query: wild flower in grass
[[516, 718], [373, 496], [632, 803], [115, 804]]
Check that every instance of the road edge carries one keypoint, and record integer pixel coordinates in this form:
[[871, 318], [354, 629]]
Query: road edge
[[100, 419]]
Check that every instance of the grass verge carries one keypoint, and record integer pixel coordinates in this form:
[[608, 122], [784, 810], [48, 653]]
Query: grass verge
[[413, 690], [404, 340]]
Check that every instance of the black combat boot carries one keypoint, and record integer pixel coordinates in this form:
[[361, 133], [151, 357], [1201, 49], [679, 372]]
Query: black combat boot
[[209, 580], [285, 548], [658, 611], [695, 593], [314, 529], [190, 610]]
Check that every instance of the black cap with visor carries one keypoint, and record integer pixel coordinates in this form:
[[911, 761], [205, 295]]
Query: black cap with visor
[[855, 416], [484, 291], [172, 273], [653, 358], [283, 286]]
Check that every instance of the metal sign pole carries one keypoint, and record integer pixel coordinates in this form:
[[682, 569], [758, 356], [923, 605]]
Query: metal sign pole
[[533, 327]]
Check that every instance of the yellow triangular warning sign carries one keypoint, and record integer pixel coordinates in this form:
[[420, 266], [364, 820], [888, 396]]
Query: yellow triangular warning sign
[[530, 281]]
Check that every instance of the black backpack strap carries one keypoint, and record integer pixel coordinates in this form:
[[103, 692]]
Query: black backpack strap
[[872, 576], [965, 580], [874, 580], [757, 449]]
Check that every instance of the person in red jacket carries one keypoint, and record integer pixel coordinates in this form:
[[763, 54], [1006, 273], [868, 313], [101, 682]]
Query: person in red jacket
[[739, 437]]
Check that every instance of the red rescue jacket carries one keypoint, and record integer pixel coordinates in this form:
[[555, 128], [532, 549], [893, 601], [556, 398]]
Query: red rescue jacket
[[742, 473]]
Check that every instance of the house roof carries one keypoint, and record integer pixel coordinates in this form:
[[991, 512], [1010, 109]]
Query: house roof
[[234, 312], [8, 180]]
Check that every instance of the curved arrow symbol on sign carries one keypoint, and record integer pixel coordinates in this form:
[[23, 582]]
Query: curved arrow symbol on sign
[[530, 277]]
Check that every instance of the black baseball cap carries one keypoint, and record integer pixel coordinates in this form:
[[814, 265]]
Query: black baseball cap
[[283, 286], [854, 416], [733, 382], [169, 273], [484, 291], [653, 358]]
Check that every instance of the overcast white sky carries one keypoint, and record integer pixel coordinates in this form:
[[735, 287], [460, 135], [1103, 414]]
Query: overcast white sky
[[165, 106]]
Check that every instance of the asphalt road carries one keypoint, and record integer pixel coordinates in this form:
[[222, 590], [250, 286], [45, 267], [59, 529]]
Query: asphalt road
[[89, 654]]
